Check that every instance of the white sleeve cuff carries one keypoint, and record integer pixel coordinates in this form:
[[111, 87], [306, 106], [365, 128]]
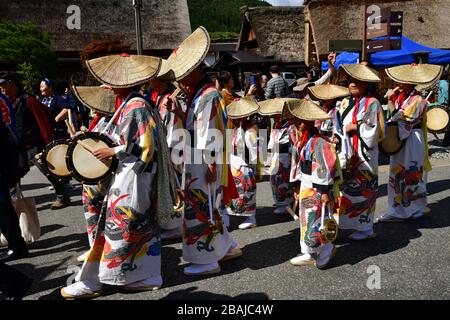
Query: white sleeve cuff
[[119, 149]]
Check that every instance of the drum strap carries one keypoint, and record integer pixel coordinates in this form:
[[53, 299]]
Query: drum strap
[[355, 121]]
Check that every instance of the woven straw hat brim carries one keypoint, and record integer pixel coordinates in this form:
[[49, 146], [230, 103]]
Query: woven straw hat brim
[[242, 108], [418, 74], [163, 68], [120, 71], [329, 91], [273, 107], [359, 72], [96, 98], [304, 110], [303, 86], [427, 86], [187, 57]]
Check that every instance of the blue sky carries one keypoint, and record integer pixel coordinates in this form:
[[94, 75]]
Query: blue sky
[[285, 2]]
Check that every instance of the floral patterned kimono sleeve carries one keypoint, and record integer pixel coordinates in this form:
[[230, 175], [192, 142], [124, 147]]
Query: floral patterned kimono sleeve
[[408, 115], [211, 119], [324, 169], [137, 135], [369, 127]]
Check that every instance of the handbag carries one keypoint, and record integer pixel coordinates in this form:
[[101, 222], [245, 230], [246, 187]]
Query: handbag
[[28, 218]]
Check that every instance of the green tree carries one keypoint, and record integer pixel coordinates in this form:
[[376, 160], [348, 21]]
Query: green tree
[[222, 18], [30, 78], [25, 45]]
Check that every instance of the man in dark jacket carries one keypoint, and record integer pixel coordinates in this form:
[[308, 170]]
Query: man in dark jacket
[[35, 128], [9, 223]]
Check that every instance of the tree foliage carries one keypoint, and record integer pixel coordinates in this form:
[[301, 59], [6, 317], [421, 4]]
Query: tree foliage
[[30, 78], [220, 17], [25, 45]]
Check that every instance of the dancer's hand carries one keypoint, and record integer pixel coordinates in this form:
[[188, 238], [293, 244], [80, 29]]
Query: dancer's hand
[[326, 199], [104, 153], [351, 127]]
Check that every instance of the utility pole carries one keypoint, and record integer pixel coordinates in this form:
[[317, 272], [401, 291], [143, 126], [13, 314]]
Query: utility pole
[[137, 4]]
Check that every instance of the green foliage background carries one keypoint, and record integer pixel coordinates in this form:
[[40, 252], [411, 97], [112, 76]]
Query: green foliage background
[[220, 17], [30, 49]]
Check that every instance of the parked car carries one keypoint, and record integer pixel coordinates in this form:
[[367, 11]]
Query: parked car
[[289, 77]]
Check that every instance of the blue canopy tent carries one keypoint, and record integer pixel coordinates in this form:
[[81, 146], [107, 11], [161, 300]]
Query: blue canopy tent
[[406, 55], [343, 58]]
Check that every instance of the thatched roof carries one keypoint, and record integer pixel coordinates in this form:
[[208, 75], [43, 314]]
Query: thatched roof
[[276, 32], [425, 22], [165, 23]]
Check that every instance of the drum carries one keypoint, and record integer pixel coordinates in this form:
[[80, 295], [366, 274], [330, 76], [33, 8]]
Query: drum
[[53, 159], [392, 143], [82, 164], [438, 119]]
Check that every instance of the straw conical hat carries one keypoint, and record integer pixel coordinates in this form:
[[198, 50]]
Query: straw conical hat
[[427, 86], [415, 73], [303, 86], [96, 98], [359, 72], [124, 71], [329, 91], [242, 108], [163, 68], [188, 56], [273, 107], [304, 109]]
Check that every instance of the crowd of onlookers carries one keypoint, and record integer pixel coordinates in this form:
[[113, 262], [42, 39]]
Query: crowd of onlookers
[[28, 124]]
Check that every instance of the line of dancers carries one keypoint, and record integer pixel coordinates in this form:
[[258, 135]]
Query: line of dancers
[[323, 157]]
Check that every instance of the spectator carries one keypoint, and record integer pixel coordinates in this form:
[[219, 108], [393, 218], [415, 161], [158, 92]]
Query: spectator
[[80, 116], [9, 176], [277, 87], [33, 125], [300, 91], [7, 112], [226, 85], [255, 89], [59, 108], [264, 81]]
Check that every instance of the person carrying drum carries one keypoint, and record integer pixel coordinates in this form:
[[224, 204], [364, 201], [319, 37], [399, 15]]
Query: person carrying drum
[[358, 124], [127, 246], [101, 101], [407, 193]]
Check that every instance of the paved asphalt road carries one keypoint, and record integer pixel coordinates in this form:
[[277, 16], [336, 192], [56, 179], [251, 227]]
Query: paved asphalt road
[[413, 258]]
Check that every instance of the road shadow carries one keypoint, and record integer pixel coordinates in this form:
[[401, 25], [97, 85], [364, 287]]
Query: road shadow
[[256, 256], [75, 243], [40, 274], [391, 236], [432, 187], [192, 294], [52, 198], [264, 217], [50, 228], [34, 186]]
